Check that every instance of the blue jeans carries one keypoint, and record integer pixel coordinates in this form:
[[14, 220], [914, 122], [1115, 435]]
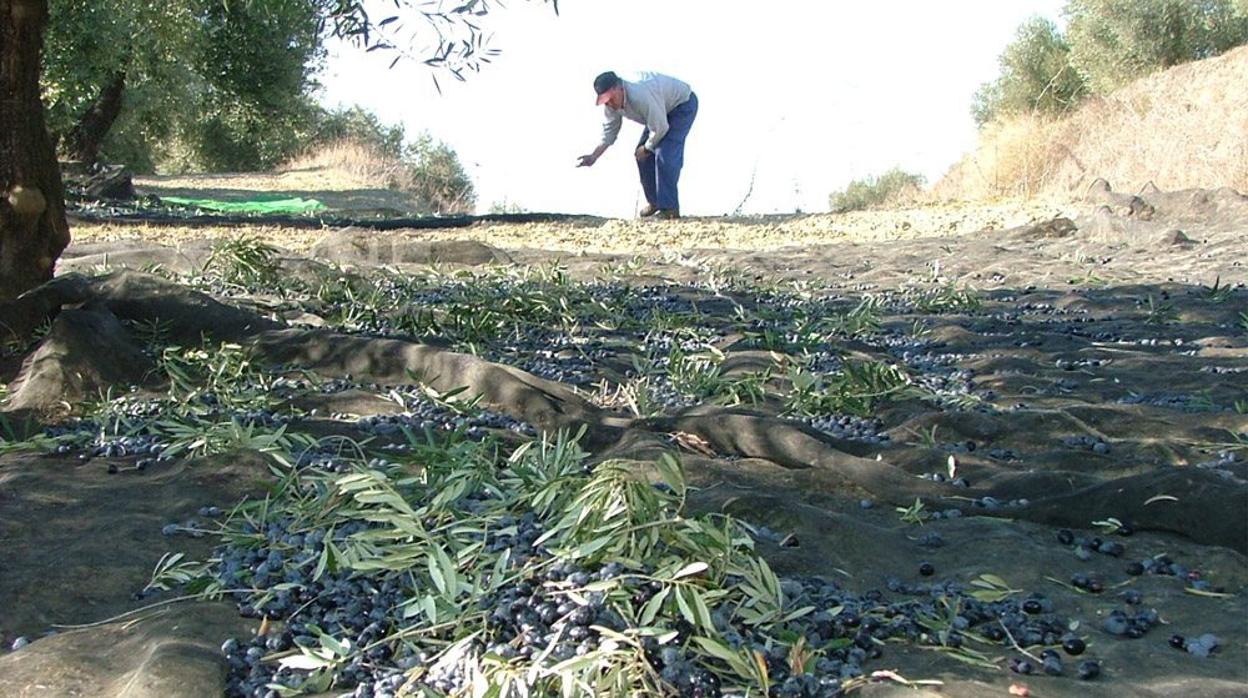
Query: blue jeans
[[661, 172]]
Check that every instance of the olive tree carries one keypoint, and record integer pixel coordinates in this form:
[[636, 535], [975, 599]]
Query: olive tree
[[1036, 75], [201, 84], [102, 54], [257, 61], [1115, 41], [33, 230], [1107, 43]]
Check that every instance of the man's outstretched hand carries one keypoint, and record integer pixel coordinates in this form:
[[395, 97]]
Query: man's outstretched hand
[[642, 153], [586, 161]]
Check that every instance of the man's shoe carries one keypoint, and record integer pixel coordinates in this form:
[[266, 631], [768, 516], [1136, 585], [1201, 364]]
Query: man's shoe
[[668, 214], [648, 211]]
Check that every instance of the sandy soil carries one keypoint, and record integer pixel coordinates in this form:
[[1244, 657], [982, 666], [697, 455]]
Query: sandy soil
[[595, 236]]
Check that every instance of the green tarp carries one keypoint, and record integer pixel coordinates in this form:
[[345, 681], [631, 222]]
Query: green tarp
[[287, 205]]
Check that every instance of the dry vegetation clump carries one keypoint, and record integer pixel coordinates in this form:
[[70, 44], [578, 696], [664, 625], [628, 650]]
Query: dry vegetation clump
[[427, 170], [1016, 157], [365, 164], [1182, 128]]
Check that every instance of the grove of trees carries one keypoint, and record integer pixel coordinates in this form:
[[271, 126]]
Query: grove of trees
[[204, 84], [194, 85], [1107, 43]]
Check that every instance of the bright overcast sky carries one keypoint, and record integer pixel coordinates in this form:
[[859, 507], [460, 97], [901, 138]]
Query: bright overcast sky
[[808, 94]]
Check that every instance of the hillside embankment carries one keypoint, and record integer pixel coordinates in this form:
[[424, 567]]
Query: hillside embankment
[[1181, 128]]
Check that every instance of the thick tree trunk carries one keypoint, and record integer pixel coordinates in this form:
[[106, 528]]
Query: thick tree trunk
[[84, 140], [33, 231]]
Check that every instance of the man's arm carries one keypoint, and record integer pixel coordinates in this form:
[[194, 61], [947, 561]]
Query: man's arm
[[611, 127], [589, 160], [610, 131]]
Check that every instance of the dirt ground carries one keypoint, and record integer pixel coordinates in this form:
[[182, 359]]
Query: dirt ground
[[1115, 370], [344, 196]]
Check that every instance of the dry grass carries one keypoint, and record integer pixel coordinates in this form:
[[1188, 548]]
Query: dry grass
[[1182, 128], [1016, 157], [287, 238], [349, 160], [432, 186]]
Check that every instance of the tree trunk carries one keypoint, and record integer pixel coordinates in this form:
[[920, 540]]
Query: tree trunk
[[33, 231], [84, 140]]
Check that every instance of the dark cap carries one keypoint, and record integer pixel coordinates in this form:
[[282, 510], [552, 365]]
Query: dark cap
[[604, 82]]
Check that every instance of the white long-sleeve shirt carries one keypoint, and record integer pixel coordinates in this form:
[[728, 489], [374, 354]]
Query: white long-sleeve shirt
[[646, 101]]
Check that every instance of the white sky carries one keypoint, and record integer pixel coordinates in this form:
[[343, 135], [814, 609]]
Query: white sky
[[814, 93]]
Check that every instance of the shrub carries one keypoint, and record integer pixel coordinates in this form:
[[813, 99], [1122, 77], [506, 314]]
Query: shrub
[[875, 191], [357, 125], [437, 177], [507, 206]]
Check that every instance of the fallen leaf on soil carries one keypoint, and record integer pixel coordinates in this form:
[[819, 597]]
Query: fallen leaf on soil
[[693, 442], [894, 676], [1209, 594]]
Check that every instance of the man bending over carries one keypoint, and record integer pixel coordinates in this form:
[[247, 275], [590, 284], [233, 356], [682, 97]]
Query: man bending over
[[666, 107]]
